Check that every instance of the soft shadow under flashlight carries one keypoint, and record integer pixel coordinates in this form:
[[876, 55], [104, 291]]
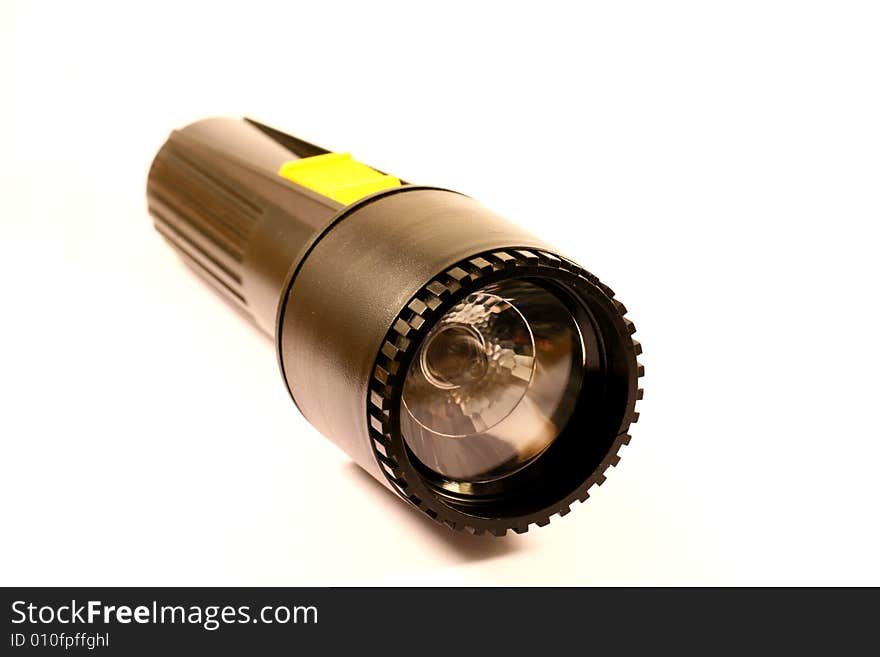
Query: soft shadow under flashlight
[[462, 362]]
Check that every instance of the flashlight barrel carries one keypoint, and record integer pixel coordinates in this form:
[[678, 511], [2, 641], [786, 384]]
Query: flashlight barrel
[[353, 270], [215, 195]]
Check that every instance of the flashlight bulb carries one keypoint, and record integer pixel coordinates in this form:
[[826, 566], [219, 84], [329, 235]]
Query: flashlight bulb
[[454, 357]]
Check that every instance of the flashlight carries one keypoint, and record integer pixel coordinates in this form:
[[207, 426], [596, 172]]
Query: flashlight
[[468, 366]]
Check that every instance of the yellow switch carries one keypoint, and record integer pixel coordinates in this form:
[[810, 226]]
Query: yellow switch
[[338, 176]]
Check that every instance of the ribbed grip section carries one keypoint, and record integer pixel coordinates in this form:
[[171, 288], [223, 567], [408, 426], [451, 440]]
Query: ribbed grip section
[[204, 217], [216, 196]]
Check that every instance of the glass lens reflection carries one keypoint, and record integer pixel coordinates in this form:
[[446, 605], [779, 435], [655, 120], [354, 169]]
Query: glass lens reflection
[[493, 383]]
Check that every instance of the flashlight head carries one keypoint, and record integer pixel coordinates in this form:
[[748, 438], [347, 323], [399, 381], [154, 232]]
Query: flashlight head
[[486, 379]]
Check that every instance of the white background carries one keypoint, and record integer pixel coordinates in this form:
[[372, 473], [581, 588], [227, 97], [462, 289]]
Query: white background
[[716, 163]]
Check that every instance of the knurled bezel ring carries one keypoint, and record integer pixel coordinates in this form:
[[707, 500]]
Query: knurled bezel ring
[[401, 343]]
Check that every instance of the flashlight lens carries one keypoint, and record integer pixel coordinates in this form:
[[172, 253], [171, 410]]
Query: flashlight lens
[[493, 383]]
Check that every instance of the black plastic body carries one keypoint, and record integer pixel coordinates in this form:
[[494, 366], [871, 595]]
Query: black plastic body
[[349, 291]]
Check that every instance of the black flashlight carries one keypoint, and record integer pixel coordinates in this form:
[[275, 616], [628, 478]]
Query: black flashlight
[[465, 364]]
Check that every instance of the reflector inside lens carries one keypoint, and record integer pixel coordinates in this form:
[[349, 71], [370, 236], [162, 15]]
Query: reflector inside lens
[[493, 383]]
